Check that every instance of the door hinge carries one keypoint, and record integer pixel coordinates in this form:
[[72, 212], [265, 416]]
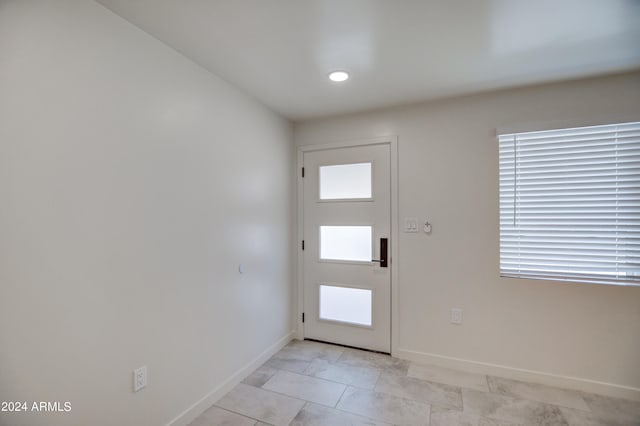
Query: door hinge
[[302, 244], [303, 172], [303, 317]]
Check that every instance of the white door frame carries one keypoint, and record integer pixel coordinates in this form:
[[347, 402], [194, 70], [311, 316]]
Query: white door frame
[[392, 141]]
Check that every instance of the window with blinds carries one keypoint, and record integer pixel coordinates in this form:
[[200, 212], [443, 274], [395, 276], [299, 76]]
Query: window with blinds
[[570, 204]]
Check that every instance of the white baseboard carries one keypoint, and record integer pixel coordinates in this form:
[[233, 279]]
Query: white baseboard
[[218, 392], [577, 383]]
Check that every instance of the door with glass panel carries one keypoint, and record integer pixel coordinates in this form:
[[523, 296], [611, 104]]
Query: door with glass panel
[[347, 265]]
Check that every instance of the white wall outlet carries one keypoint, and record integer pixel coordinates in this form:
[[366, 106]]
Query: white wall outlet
[[456, 316], [139, 378]]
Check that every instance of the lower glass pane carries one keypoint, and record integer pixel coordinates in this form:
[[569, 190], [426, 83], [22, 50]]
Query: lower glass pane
[[346, 304]]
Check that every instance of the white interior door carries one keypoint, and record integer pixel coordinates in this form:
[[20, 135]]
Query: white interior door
[[347, 231]]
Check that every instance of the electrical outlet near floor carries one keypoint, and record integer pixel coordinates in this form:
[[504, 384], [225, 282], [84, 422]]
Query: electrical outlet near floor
[[456, 316], [139, 378]]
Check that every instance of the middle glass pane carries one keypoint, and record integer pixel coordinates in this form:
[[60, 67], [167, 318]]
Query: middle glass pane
[[346, 242]]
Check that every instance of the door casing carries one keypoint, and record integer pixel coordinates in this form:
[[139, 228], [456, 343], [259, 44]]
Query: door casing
[[299, 287]]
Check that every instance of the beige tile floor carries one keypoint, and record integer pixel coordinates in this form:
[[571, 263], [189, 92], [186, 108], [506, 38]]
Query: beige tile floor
[[316, 384]]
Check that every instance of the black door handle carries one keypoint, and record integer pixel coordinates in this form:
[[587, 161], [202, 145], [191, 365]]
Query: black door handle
[[383, 253]]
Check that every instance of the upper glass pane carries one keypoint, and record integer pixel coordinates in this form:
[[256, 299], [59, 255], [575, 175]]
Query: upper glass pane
[[347, 243], [345, 181]]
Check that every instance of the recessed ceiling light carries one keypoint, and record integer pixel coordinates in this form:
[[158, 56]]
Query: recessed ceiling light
[[338, 76]]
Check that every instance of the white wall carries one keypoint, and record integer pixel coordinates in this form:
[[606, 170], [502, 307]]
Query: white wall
[[132, 184], [448, 172]]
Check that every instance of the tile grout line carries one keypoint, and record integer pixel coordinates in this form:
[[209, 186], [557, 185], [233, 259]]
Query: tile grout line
[[375, 386], [299, 411], [347, 412], [317, 378], [405, 399], [278, 393], [235, 412], [296, 398], [340, 383], [305, 402], [321, 378], [352, 413], [341, 395]]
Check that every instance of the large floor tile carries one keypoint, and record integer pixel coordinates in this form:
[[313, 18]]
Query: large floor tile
[[294, 365], [308, 350], [384, 407], [420, 390], [447, 417], [216, 416], [260, 376], [448, 376], [260, 404], [305, 387], [387, 363], [589, 418], [516, 410], [618, 408], [535, 392], [362, 377], [483, 421], [318, 415]]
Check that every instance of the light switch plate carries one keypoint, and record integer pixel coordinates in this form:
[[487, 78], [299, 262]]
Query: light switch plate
[[411, 225]]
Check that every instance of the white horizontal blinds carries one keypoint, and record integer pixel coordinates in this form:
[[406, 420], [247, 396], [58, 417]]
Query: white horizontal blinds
[[570, 204]]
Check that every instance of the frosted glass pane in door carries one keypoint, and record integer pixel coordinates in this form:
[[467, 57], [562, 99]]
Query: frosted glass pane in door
[[345, 181], [348, 243], [346, 304]]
